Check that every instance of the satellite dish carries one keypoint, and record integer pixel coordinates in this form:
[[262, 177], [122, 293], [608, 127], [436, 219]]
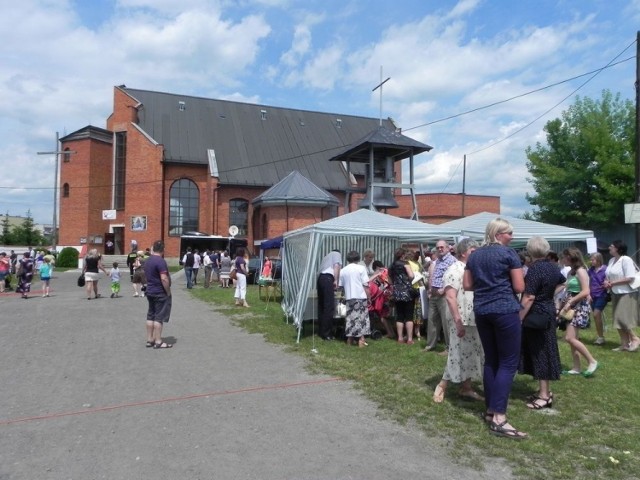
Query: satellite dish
[[233, 230]]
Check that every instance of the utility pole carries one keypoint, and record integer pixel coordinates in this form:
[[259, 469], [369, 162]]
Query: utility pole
[[637, 145], [56, 152]]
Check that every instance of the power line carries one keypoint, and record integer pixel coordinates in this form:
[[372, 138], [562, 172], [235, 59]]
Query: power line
[[450, 117], [295, 157], [593, 74]]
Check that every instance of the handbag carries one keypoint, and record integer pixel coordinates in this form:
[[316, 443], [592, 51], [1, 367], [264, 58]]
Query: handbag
[[81, 280], [232, 274], [635, 283], [536, 321], [567, 314]]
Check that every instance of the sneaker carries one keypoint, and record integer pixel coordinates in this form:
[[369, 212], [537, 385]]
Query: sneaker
[[571, 372], [113, 295], [599, 341], [135, 294]]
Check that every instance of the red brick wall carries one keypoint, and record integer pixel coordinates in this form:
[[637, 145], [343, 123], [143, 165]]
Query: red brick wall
[[88, 174], [442, 207]]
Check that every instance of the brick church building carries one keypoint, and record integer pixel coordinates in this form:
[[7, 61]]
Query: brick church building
[[168, 165]]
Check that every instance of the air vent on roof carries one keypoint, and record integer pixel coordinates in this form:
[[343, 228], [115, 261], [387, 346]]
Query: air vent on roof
[[338, 123], [263, 114], [301, 122], [182, 106]]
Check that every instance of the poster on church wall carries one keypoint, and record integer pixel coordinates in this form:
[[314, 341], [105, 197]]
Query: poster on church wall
[[139, 223]]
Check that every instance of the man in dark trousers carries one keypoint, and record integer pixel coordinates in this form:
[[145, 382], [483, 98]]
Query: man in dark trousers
[[158, 296], [131, 260], [327, 284]]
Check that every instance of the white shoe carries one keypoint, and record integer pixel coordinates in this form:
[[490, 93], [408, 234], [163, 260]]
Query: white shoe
[[599, 341], [135, 294], [592, 368]]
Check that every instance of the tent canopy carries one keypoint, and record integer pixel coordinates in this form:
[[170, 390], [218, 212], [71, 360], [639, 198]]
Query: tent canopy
[[303, 250], [474, 226]]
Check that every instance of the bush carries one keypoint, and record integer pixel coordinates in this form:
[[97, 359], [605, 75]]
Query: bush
[[67, 258]]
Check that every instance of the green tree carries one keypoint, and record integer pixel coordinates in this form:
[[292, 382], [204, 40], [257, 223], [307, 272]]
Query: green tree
[[5, 229], [26, 234], [585, 173]]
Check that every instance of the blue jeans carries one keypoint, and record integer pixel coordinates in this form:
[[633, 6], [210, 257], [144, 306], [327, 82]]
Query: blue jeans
[[500, 335], [188, 271]]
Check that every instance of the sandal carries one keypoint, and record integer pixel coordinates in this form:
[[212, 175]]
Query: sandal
[[499, 430], [162, 345], [534, 396], [486, 416], [438, 394], [540, 403], [471, 395], [149, 344]]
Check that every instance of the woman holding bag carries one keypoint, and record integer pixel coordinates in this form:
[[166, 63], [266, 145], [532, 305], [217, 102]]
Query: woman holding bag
[[400, 274], [576, 299], [240, 265], [624, 300], [540, 357]]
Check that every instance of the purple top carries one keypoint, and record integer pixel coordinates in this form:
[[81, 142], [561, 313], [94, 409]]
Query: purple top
[[596, 281], [239, 262], [153, 267]]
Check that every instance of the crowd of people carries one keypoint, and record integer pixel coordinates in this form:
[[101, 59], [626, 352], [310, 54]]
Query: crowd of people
[[495, 312]]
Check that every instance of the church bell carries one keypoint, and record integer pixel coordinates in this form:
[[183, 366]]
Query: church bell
[[382, 196]]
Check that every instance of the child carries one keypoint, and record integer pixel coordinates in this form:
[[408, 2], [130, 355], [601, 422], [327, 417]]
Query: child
[[45, 275], [114, 274]]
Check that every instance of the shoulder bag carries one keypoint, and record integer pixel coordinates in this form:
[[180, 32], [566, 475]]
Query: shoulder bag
[[536, 321]]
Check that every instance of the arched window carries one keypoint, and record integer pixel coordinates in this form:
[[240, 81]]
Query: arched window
[[239, 215], [184, 204], [66, 157], [65, 190]]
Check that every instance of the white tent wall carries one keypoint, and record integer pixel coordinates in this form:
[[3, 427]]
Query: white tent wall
[[304, 249]]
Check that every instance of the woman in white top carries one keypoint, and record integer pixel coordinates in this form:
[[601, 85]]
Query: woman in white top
[[624, 300]]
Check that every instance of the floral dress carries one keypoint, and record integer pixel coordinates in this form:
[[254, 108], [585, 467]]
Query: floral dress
[[25, 277], [466, 356]]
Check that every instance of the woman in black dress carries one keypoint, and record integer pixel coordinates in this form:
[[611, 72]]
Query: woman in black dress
[[400, 274], [540, 357]]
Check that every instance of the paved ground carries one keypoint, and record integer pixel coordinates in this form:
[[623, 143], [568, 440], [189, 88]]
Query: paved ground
[[82, 398]]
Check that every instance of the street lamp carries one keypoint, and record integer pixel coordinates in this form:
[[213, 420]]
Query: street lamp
[[56, 152]]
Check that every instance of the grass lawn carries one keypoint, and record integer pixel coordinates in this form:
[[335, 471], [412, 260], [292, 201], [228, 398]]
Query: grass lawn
[[592, 431]]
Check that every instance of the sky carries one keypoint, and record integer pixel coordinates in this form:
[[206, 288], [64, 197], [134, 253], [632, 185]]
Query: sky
[[60, 59]]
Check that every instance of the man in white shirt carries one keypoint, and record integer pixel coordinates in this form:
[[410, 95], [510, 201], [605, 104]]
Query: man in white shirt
[[329, 273]]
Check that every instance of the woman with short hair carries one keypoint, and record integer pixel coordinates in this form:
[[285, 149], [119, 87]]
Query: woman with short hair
[[540, 357], [464, 362]]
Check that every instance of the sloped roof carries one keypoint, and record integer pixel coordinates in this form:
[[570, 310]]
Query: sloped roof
[[369, 222], [254, 145], [295, 189], [475, 225], [386, 143]]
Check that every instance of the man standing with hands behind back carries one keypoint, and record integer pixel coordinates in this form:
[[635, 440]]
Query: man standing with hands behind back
[[437, 319], [327, 285], [158, 296]]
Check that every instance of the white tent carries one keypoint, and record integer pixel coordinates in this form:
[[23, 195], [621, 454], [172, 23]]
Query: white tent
[[303, 250], [474, 226]]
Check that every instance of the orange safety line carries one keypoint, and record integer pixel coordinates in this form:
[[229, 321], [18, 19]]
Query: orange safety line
[[167, 400]]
